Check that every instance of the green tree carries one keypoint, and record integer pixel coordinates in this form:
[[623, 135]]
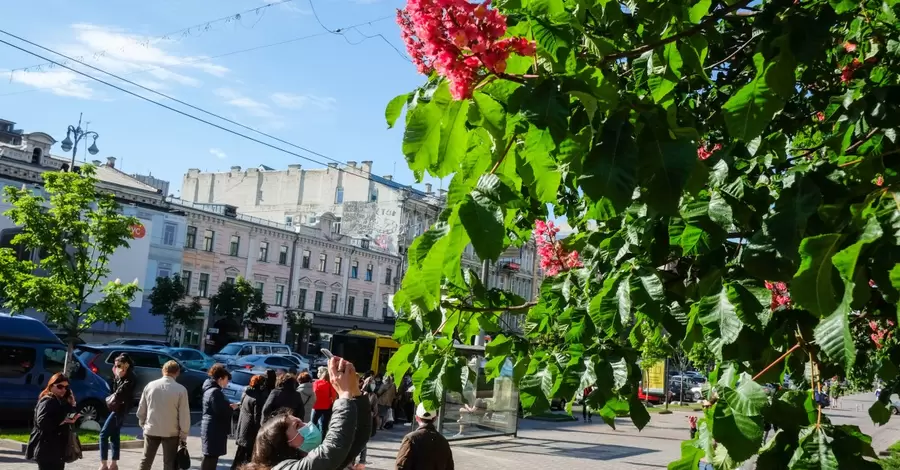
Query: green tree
[[75, 229], [239, 301], [730, 172], [167, 298]]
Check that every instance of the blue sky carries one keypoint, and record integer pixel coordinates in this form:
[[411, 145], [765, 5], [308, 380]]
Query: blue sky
[[321, 93]]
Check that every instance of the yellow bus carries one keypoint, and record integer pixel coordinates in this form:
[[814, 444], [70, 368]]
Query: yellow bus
[[367, 350]]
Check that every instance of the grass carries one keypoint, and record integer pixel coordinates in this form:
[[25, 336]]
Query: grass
[[86, 437], [891, 462]]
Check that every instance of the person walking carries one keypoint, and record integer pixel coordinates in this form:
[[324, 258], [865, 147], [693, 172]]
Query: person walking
[[164, 416], [425, 448], [283, 437], [586, 410], [248, 421], [285, 396], [52, 424], [119, 405], [216, 422], [325, 396], [386, 394], [307, 394]]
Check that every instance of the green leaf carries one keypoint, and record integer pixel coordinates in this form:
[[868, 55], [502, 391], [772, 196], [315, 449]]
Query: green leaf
[[422, 137], [432, 394], [639, 415], [664, 71], [699, 10], [394, 108], [399, 363], [540, 171], [812, 286], [544, 7], [483, 221], [610, 310], [665, 166], [492, 113], [741, 435], [454, 139], [749, 111], [720, 211], [880, 413], [610, 168], [690, 455], [551, 39], [720, 320], [536, 388], [547, 108], [814, 452], [748, 398]]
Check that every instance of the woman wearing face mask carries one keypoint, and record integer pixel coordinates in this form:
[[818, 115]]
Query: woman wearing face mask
[[216, 421], [122, 399], [282, 438], [50, 436]]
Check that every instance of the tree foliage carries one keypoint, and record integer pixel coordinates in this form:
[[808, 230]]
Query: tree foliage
[[239, 301], [167, 299], [702, 151], [74, 229]]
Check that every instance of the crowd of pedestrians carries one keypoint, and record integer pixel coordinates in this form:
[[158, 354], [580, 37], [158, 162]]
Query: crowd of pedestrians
[[285, 422]]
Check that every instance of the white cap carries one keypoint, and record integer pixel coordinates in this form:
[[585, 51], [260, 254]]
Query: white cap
[[424, 414]]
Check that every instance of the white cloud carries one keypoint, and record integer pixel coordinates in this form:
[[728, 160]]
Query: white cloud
[[249, 105], [293, 101], [59, 82], [218, 153]]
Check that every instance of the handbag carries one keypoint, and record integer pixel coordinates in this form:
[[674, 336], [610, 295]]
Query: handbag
[[73, 447], [182, 457], [112, 403]]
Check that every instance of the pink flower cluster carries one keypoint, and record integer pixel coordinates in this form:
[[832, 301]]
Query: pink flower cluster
[[703, 152], [879, 334], [457, 38], [849, 69], [554, 257], [780, 295]]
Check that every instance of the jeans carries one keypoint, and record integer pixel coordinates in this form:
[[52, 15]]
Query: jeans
[[321, 418], [586, 412], [109, 436], [151, 445]]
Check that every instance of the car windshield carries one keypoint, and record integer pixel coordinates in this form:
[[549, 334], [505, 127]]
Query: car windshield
[[241, 378], [231, 349]]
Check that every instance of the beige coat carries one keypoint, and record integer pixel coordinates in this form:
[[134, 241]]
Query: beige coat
[[164, 410]]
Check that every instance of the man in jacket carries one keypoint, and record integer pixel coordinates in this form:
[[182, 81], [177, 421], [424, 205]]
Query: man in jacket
[[425, 448], [164, 416]]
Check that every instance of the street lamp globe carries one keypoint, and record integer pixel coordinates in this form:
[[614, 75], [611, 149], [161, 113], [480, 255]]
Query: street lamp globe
[[93, 150], [66, 144]]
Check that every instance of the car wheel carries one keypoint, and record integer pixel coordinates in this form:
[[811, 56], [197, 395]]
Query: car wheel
[[92, 410], [698, 396]]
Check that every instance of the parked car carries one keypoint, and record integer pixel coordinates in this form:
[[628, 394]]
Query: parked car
[[147, 367], [240, 379], [675, 390], [137, 342], [300, 364], [234, 351], [258, 364], [30, 355], [192, 358]]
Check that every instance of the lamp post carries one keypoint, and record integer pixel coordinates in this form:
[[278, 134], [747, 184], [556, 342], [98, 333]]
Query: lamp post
[[77, 133]]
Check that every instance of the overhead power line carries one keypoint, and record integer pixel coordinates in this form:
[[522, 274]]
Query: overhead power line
[[341, 32], [367, 175]]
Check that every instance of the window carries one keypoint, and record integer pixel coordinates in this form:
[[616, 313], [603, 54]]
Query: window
[[235, 245], [334, 300], [169, 230], [36, 156], [260, 287], [282, 255], [289, 220], [203, 286], [15, 361], [386, 311], [263, 350], [354, 270], [305, 263], [369, 269], [351, 303], [55, 360], [337, 264], [336, 226], [163, 269], [263, 251], [229, 280], [280, 350], [186, 281], [208, 238], [365, 308], [374, 195], [339, 195], [387, 276], [279, 294], [190, 240], [6, 237], [323, 262], [301, 298], [317, 304]]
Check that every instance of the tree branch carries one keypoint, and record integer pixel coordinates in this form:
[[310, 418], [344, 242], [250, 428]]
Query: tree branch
[[865, 139], [505, 152], [776, 362], [469, 308], [709, 21], [734, 53]]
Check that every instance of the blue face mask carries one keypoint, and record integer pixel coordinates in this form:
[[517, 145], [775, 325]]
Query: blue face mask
[[312, 437]]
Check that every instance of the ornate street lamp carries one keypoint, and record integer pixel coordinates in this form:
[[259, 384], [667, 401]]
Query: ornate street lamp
[[77, 133]]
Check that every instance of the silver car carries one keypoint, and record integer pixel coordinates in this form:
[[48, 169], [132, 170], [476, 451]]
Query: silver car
[[258, 364], [240, 379]]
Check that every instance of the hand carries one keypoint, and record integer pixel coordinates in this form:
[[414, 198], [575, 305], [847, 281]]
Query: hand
[[343, 377], [235, 406], [70, 420], [71, 399]]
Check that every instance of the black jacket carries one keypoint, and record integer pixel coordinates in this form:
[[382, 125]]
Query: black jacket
[[123, 388], [216, 422], [49, 438], [249, 418], [285, 397], [424, 449]]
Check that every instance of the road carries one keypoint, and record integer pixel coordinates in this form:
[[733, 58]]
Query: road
[[545, 445]]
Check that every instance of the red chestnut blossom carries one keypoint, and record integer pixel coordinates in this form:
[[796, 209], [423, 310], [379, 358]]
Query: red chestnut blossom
[[879, 334], [849, 46], [554, 257], [780, 295], [820, 116], [457, 38], [703, 153], [849, 69], [872, 283], [692, 420], [879, 180]]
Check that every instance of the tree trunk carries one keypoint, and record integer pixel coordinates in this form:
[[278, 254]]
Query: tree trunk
[[70, 353]]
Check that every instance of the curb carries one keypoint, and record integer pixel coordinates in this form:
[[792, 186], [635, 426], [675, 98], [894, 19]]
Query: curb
[[17, 446]]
